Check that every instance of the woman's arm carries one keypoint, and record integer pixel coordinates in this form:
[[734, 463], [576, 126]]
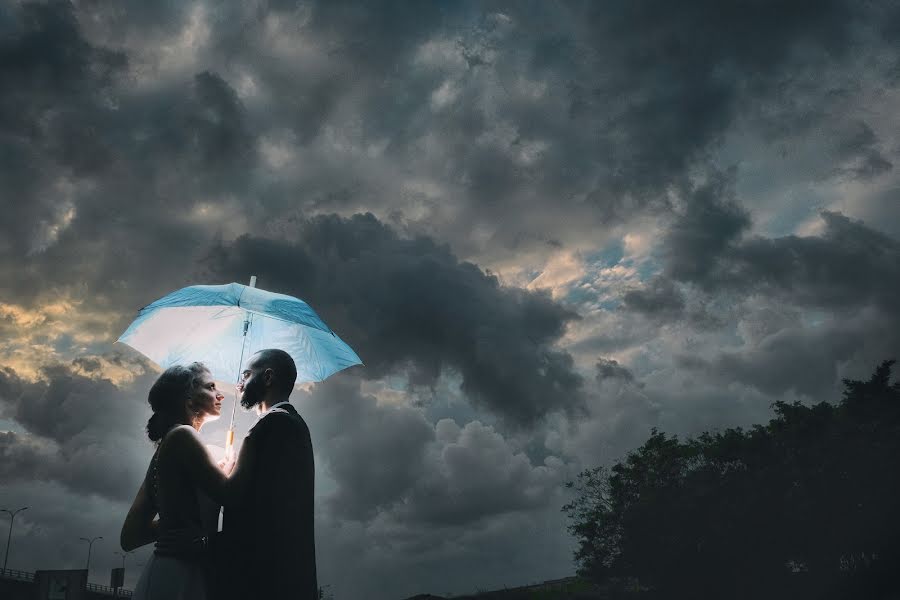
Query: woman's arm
[[139, 527], [185, 445]]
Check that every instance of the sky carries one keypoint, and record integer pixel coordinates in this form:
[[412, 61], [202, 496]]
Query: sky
[[545, 227]]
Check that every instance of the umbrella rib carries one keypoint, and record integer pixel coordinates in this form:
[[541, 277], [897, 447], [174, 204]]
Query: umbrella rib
[[316, 352], [283, 320]]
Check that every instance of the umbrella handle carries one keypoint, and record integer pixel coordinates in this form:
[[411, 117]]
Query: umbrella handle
[[229, 444]]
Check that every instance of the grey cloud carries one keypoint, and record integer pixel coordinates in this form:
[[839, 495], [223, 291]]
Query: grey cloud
[[660, 298], [611, 369], [673, 89], [806, 360], [22, 457], [100, 181], [375, 37], [849, 265], [859, 148], [828, 300], [52, 81], [617, 120], [46, 57], [80, 431], [472, 473], [758, 324], [402, 302], [712, 220], [560, 103], [499, 130], [373, 452], [387, 460], [880, 210]]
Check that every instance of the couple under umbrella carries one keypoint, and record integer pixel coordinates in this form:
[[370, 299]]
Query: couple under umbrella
[[266, 549]]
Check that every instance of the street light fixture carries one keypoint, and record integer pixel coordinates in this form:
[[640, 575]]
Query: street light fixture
[[90, 544], [12, 515]]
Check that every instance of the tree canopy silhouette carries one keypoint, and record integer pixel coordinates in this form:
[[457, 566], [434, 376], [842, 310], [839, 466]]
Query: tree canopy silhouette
[[805, 506]]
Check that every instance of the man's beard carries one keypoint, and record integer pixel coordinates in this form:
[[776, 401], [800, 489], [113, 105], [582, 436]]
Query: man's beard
[[252, 395]]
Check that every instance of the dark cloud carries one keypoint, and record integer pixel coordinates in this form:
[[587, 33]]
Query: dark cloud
[[401, 302], [658, 299], [202, 133], [141, 141], [672, 90], [556, 121], [46, 57], [830, 300], [52, 81], [79, 431], [860, 150], [711, 221], [608, 368], [848, 266], [102, 182]]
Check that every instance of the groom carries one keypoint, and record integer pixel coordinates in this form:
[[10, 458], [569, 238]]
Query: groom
[[269, 530]]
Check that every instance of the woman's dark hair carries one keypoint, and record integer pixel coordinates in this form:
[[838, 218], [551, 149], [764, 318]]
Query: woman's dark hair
[[169, 395]]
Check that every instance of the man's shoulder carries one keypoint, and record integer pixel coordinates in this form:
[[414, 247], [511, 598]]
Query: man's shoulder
[[279, 419]]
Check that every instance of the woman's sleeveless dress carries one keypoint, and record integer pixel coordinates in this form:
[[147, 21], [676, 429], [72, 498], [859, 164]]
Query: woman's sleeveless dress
[[180, 505]]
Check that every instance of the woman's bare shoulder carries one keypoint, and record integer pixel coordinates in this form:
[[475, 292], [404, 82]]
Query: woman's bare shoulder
[[179, 437]]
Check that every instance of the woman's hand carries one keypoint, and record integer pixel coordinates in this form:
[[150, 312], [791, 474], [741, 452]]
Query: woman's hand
[[226, 465]]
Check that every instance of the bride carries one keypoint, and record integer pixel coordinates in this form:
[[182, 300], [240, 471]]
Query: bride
[[183, 485]]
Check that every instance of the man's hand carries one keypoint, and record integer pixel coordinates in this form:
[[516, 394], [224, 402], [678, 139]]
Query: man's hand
[[184, 543]]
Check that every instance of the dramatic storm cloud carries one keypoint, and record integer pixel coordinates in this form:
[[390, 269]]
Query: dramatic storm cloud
[[411, 302], [546, 228]]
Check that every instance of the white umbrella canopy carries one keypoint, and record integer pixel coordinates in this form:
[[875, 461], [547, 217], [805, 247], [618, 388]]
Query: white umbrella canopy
[[218, 325]]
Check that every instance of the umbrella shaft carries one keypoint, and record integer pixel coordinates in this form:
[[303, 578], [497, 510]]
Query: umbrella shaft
[[229, 440]]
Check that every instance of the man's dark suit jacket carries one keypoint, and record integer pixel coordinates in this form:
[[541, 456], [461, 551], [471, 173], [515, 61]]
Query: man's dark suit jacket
[[270, 532]]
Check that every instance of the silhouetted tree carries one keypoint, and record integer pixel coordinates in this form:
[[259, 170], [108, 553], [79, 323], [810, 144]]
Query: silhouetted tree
[[802, 507]]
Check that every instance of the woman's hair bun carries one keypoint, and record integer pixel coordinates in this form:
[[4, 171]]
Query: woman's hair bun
[[169, 396]]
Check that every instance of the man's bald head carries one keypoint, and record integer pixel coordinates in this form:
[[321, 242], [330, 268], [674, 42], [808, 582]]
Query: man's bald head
[[284, 371], [267, 379]]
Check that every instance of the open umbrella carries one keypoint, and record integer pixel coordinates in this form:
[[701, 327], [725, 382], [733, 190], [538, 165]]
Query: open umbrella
[[220, 324]]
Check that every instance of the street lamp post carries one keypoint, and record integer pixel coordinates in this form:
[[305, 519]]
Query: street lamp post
[[123, 555], [12, 515], [90, 544]]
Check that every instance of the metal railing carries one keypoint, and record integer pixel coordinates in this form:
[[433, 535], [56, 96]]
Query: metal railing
[[121, 593], [17, 575], [91, 587]]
